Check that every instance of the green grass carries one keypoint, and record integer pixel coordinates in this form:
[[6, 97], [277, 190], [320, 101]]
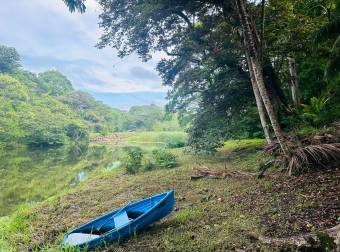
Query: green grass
[[15, 229], [244, 154], [245, 143], [187, 215], [206, 218], [157, 137]]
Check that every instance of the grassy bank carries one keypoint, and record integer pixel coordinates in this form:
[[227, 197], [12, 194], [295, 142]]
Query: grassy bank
[[210, 214]]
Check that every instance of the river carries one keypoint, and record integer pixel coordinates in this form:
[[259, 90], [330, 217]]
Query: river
[[32, 175]]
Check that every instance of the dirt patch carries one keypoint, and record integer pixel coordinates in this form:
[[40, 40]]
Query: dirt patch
[[288, 206]]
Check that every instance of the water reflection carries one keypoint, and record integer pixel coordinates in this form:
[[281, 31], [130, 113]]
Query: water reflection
[[79, 177], [113, 165], [31, 175]]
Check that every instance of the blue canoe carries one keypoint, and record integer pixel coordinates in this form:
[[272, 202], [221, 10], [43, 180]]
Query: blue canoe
[[121, 222]]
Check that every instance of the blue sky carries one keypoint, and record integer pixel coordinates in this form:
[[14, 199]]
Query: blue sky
[[47, 36]]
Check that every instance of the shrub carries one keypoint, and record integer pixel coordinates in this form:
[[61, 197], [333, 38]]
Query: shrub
[[164, 159], [177, 144], [174, 140], [315, 112], [133, 161], [149, 165]]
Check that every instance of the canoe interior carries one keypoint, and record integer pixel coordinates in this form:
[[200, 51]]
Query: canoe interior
[[106, 223]]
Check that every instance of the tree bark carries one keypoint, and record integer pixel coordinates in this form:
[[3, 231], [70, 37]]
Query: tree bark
[[254, 63], [259, 103], [294, 80]]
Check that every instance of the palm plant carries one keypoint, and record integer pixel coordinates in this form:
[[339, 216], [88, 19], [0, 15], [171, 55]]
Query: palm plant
[[314, 111], [75, 5]]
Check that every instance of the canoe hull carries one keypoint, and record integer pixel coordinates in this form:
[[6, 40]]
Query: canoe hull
[[157, 211]]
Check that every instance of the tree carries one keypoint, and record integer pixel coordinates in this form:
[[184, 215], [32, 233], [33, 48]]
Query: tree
[[250, 42], [78, 100], [330, 31], [196, 34], [54, 83], [288, 30], [144, 117], [294, 80], [9, 59], [259, 102], [179, 29], [143, 27]]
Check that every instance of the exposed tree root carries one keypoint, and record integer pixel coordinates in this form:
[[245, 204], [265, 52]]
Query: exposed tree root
[[313, 152]]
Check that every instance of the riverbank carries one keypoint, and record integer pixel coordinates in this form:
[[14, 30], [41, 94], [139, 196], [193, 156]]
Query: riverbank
[[211, 214]]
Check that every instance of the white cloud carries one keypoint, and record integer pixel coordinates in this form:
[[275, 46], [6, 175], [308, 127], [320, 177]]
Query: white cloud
[[49, 36]]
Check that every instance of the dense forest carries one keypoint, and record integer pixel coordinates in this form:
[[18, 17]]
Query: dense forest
[[45, 110]]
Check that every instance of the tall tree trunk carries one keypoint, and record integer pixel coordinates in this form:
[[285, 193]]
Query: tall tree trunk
[[294, 80], [270, 78], [254, 63], [259, 103], [263, 21]]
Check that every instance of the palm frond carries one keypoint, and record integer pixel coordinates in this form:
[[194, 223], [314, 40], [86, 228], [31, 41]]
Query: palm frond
[[318, 155], [74, 5]]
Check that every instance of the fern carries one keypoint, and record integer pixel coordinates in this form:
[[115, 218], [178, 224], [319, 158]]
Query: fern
[[314, 110]]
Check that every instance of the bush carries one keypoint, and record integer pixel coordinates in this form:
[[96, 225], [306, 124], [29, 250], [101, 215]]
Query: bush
[[149, 165], [164, 159], [174, 140], [177, 144], [316, 112], [133, 161]]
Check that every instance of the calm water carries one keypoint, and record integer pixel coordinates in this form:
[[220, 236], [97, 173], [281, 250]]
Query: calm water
[[28, 176]]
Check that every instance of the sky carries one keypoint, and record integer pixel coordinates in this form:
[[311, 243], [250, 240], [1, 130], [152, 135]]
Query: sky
[[48, 36]]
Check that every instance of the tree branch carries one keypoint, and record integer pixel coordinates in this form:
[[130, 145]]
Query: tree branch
[[184, 17]]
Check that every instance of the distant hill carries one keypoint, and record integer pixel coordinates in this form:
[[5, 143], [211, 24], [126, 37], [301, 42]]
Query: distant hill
[[44, 109], [126, 100]]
